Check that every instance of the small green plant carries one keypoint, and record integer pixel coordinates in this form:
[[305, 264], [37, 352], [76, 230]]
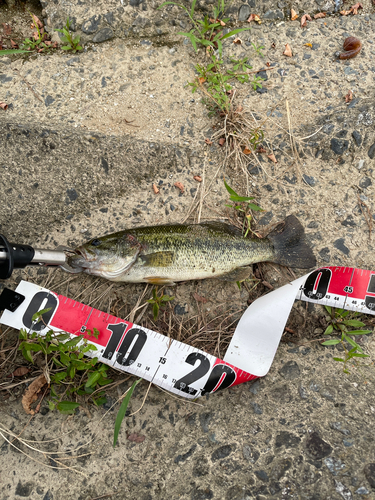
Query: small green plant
[[208, 32], [258, 49], [240, 64], [340, 323], [70, 42], [158, 302], [213, 78], [255, 82], [29, 44], [122, 410], [217, 87], [256, 138], [69, 373], [244, 207]]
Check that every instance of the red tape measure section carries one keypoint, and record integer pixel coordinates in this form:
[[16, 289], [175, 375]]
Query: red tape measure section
[[343, 287]]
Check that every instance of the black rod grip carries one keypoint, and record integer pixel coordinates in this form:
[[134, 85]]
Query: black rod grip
[[17, 256]]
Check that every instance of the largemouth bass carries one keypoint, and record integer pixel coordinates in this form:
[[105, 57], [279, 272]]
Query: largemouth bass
[[179, 252]]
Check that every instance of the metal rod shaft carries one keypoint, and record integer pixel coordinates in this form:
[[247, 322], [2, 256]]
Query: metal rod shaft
[[46, 257]]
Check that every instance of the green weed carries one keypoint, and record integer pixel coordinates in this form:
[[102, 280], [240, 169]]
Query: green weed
[[158, 302], [340, 323], [70, 375], [213, 78], [122, 410], [258, 49], [70, 42], [242, 204], [9, 52], [31, 44], [208, 31]]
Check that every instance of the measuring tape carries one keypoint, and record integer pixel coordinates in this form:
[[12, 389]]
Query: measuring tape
[[178, 367]]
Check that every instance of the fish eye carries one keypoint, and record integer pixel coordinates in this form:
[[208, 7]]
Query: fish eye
[[95, 243]]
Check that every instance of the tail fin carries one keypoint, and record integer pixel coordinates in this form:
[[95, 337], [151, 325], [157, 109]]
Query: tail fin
[[291, 248]]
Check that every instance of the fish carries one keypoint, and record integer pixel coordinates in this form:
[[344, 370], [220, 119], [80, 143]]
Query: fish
[[166, 254]]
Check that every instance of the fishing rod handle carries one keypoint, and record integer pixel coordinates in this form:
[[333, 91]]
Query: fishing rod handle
[[13, 256]]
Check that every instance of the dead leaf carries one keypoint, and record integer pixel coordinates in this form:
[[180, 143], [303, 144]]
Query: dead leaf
[[37, 21], [345, 12], [7, 28], [217, 21], [201, 80], [246, 151], [349, 96], [260, 149], [207, 141], [304, 19], [199, 298], [31, 394], [239, 109], [198, 178], [254, 17], [272, 157], [3, 105], [288, 51], [293, 15], [22, 370], [222, 141], [14, 44], [180, 186], [155, 188], [355, 8], [238, 41], [36, 35], [319, 15], [136, 438]]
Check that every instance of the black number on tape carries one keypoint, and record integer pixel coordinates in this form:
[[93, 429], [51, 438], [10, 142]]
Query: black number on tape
[[200, 371], [370, 300], [371, 285], [215, 377], [35, 306], [117, 332], [140, 338], [316, 285]]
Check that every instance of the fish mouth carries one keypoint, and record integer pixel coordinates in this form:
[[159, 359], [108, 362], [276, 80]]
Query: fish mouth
[[79, 260]]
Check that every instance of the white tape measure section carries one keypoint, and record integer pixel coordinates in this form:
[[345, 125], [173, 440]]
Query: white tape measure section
[[258, 333]]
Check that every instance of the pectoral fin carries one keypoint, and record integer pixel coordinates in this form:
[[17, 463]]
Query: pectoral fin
[[158, 280], [158, 259], [239, 274]]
